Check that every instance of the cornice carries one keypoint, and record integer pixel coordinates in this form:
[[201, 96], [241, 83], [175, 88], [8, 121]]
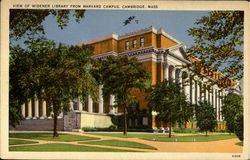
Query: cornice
[[140, 51], [104, 55]]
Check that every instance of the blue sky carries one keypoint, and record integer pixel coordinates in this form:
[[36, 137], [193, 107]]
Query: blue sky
[[101, 22]]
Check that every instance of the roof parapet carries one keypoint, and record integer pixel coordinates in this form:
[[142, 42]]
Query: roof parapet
[[127, 35], [98, 39]]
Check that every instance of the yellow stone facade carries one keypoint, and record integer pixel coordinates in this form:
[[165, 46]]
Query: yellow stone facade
[[158, 40]]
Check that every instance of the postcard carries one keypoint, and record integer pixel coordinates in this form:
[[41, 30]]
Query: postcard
[[124, 79]]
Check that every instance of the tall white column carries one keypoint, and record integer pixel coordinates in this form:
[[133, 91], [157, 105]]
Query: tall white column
[[71, 104], [23, 110], [79, 104], [29, 109], [187, 89], [202, 92], [173, 75], [211, 96], [219, 105], [51, 112], [214, 99], [198, 92], [166, 72], [193, 91], [216, 104], [36, 109], [222, 97], [181, 81], [90, 104], [44, 110], [208, 95], [100, 99], [112, 103]]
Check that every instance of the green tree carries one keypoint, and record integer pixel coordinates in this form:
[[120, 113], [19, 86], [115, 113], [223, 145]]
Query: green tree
[[169, 101], [20, 63], [239, 125], [27, 22], [54, 73], [232, 104], [119, 75], [205, 116], [218, 42]]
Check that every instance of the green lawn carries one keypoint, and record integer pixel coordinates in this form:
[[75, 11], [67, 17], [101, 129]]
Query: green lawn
[[200, 138], [239, 143], [17, 141], [53, 147], [119, 143], [49, 137]]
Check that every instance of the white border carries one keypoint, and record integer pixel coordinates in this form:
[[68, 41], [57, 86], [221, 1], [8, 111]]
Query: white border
[[163, 5]]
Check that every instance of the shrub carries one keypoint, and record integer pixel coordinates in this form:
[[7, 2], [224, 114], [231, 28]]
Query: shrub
[[221, 130], [185, 130], [239, 126], [114, 128]]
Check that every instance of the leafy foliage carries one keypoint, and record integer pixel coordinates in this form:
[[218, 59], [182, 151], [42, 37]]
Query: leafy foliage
[[29, 22], [169, 101], [239, 126], [205, 116], [219, 40], [119, 75], [56, 74], [233, 104]]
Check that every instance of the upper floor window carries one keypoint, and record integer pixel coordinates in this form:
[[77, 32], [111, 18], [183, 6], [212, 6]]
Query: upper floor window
[[142, 42], [134, 43], [127, 45]]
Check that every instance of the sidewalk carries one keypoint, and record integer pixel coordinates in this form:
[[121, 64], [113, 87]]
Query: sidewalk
[[221, 146]]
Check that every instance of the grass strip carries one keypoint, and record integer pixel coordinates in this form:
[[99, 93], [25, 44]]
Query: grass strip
[[120, 135], [49, 137], [239, 143], [191, 138], [17, 141], [119, 143], [54, 147]]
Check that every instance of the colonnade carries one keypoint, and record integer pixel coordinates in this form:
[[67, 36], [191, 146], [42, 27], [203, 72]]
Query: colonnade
[[38, 109], [195, 88]]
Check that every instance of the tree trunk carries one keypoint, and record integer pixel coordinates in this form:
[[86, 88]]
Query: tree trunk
[[170, 130], [55, 111], [55, 134], [125, 120], [206, 133]]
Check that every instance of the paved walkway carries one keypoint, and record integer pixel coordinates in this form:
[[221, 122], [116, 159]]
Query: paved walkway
[[222, 146]]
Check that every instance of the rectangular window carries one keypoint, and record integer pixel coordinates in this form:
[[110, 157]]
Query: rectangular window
[[142, 42], [134, 43], [127, 45]]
